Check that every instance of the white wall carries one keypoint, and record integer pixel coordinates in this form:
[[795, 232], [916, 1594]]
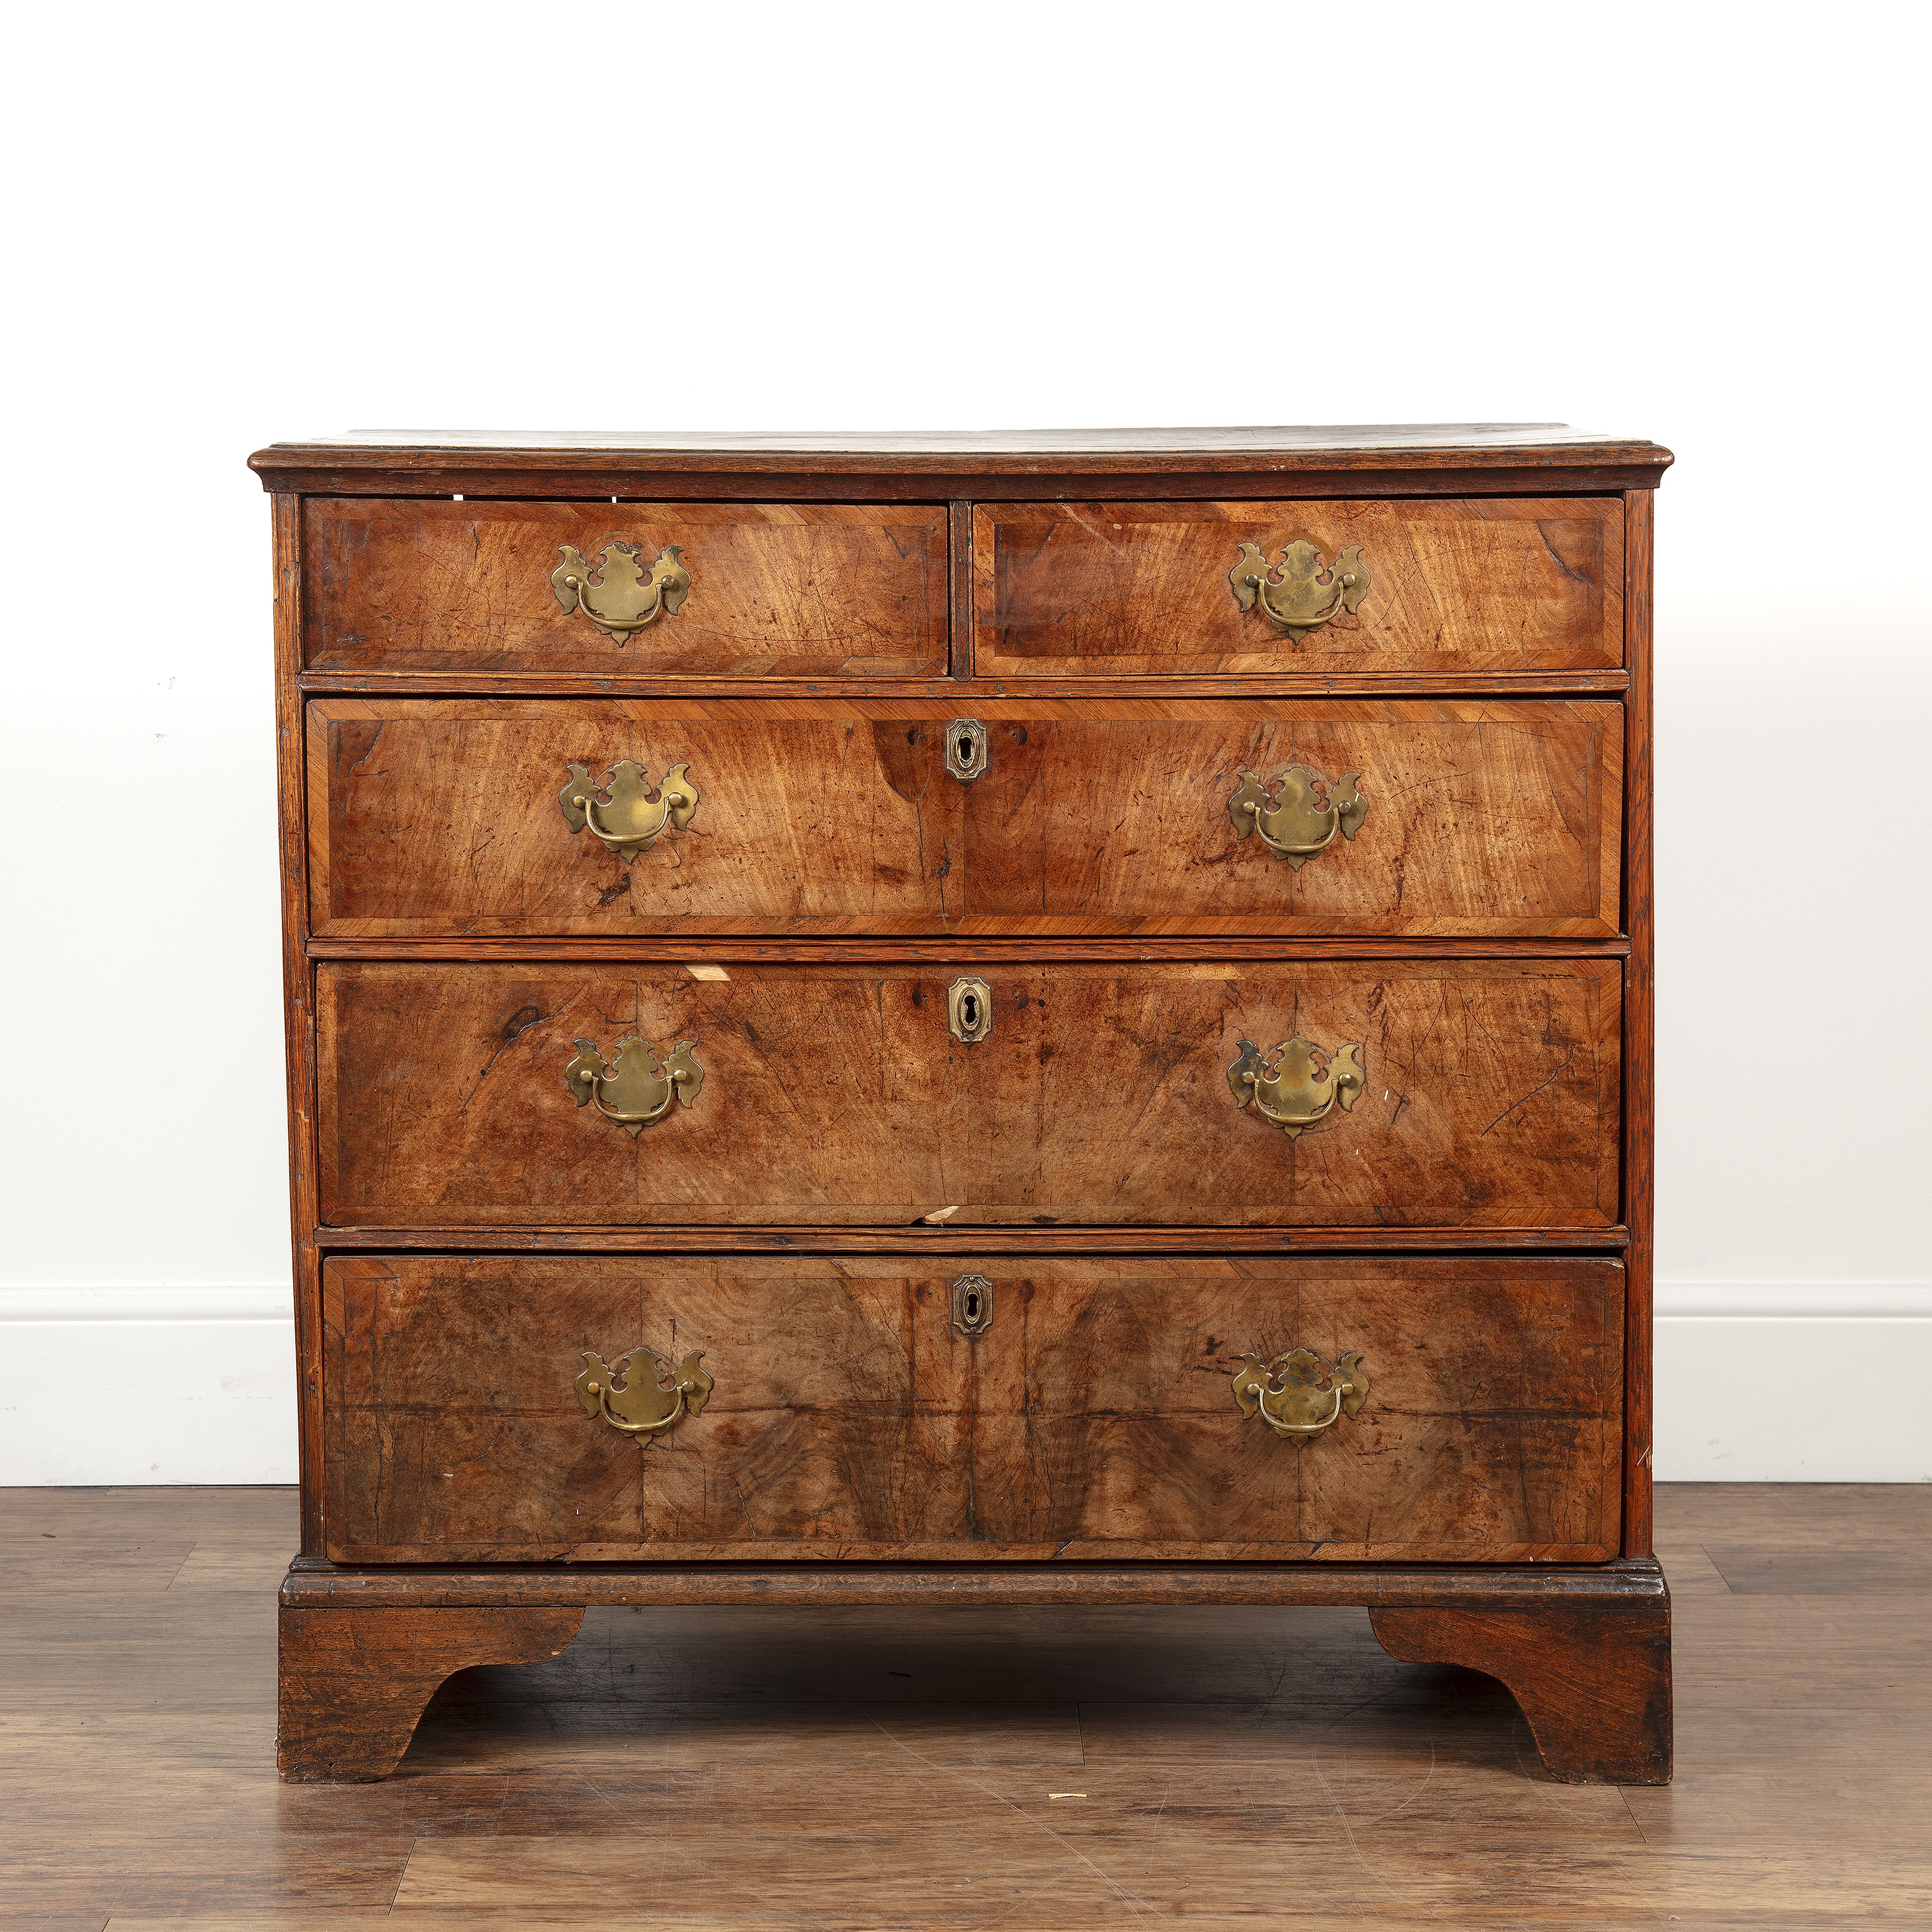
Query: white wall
[[1703, 226]]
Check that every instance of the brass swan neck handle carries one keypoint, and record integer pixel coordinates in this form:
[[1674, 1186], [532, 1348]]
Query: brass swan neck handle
[[636, 1400], [1289, 1398], [639, 1089], [627, 820], [1292, 594], [623, 600], [1296, 1085], [1296, 811]]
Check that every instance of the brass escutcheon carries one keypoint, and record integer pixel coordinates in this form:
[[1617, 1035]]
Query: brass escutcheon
[[1289, 1397], [972, 1304], [630, 815], [1294, 597], [632, 1398], [614, 593], [1301, 1086], [633, 1090], [1288, 809], [969, 1010], [967, 756]]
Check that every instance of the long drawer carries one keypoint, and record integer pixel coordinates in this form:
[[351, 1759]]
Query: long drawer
[[1483, 584], [1447, 819], [1470, 1094], [712, 590], [971, 1407]]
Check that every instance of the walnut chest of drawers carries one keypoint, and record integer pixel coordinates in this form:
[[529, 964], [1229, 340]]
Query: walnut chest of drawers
[[1055, 1018]]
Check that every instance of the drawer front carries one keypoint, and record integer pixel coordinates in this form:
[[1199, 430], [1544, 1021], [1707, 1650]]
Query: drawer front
[[1095, 1415], [1477, 1094], [448, 817], [773, 590], [1484, 585]]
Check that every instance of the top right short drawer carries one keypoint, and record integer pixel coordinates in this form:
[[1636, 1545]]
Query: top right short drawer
[[1343, 588]]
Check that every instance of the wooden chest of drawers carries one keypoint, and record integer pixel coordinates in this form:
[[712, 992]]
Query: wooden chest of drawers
[[1007, 1020]]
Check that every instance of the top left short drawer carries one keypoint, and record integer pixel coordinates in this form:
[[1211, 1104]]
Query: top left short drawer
[[722, 590]]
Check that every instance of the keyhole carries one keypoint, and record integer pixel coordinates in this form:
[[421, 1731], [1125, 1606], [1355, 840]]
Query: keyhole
[[969, 1008], [966, 752], [972, 1306]]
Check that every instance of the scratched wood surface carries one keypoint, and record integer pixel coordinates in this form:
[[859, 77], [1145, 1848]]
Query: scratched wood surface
[[1094, 1419], [835, 1094], [1069, 1767], [777, 590], [430, 817], [1482, 584]]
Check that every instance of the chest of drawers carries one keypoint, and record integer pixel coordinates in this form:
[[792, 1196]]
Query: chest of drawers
[[988, 1019]]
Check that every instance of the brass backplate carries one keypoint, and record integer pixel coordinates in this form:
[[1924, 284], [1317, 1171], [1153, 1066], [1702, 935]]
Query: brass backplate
[[632, 813], [640, 1403], [622, 599], [638, 1085], [1295, 1084], [966, 753], [1289, 1396], [1295, 595], [1298, 811], [972, 1304], [969, 1010]]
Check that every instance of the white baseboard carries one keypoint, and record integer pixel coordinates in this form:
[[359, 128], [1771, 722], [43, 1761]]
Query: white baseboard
[[197, 1385], [147, 1385]]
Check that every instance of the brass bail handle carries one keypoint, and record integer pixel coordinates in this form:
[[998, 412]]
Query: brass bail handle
[[623, 599], [1292, 594], [1287, 810], [634, 1399], [1301, 1087], [627, 819], [1289, 1396], [640, 1087]]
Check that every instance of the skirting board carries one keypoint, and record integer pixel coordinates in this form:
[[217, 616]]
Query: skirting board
[[174, 1385]]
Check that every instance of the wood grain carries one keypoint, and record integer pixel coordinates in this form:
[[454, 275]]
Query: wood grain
[[836, 1095], [1484, 585], [1094, 1419], [778, 589], [1595, 1683], [1639, 1110], [298, 995], [354, 1680], [439, 817]]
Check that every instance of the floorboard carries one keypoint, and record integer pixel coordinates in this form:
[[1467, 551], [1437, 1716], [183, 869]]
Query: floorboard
[[880, 1768]]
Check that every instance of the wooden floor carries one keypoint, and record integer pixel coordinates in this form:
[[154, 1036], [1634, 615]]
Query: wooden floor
[[1023, 1769]]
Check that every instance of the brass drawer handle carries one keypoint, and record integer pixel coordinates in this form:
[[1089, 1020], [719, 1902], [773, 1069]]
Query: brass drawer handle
[[1285, 808], [1290, 1398], [633, 1089], [622, 600], [1301, 1086], [1294, 597], [634, 1399], [627, 819]]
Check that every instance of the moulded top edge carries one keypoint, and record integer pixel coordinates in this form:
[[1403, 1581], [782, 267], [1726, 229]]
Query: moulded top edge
[[1368, 445]]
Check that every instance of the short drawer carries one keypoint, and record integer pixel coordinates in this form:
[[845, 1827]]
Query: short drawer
[[858, 1408], [734, 590], [1434, 1093], [521, 818], [1480, 585]]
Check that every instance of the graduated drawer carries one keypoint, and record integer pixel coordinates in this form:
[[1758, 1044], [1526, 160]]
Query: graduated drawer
[[1483, 584], [1478, 1094], [444, 817], [773, 590], [1477, 1408]]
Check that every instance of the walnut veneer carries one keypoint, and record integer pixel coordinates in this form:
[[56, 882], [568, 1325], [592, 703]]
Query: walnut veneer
[[469, 642]]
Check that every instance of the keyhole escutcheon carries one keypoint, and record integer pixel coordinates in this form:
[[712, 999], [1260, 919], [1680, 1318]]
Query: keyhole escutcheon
[[969, 1010], [966, 754]]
